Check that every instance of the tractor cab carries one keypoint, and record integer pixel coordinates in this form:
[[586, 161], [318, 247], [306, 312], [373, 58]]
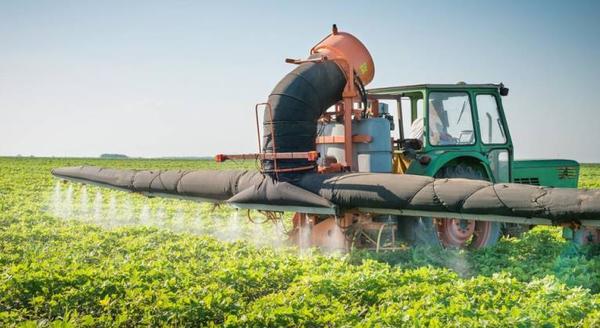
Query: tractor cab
[[438, 125]]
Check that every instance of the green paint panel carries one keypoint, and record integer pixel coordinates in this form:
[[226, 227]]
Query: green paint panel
[[547, 172]]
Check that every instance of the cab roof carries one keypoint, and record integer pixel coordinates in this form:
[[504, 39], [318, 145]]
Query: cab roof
[[410, 88]]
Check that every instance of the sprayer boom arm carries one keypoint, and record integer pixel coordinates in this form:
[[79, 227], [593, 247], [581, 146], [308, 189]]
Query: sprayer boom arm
[[382, 193]]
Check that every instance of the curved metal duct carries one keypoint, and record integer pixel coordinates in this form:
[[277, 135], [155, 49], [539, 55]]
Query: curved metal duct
[[303, 95], [297, 101]]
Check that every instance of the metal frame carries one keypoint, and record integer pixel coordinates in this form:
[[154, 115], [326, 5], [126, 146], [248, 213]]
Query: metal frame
[[278, 208]]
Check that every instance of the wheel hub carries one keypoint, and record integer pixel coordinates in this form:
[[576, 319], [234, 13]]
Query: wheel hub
[[457, 233]]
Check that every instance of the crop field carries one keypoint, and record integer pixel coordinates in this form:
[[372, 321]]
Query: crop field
[[81, 256], [590, 176]]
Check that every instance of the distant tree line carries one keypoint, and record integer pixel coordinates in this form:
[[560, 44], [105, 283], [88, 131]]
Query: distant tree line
[[113, 156]]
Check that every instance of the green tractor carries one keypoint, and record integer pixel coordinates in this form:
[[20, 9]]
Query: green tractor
[[460, 131]]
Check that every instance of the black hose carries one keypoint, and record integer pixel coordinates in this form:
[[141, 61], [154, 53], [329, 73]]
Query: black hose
[[362, 92], [297, 102]]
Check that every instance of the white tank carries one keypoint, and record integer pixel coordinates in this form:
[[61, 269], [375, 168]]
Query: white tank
[[375, 156]]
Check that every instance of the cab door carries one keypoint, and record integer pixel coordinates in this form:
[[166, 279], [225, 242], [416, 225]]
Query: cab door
[[494, 135]]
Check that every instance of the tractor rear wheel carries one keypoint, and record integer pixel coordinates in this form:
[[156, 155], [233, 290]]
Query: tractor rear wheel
[[455, 233]]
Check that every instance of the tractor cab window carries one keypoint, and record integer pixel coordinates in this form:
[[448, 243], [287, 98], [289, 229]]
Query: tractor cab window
[[490, 124], [412, 116], [450, 120]]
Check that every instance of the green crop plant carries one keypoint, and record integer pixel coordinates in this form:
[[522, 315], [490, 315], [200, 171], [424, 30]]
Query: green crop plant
[[61, 267]]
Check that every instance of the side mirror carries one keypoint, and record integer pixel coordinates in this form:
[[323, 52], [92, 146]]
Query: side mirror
[[503, 90], [414, 144]]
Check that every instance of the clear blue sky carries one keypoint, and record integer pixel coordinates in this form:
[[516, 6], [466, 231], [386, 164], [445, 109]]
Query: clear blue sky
[[150, 78]]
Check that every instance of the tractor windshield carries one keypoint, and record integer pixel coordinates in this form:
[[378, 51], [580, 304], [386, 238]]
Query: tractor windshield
[[450, 120]]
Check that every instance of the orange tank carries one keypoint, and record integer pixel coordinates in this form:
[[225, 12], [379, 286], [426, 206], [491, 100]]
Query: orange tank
[[346, 48]]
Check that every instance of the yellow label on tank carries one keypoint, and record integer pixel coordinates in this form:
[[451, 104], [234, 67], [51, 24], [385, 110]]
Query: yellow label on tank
[[363, 68]]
